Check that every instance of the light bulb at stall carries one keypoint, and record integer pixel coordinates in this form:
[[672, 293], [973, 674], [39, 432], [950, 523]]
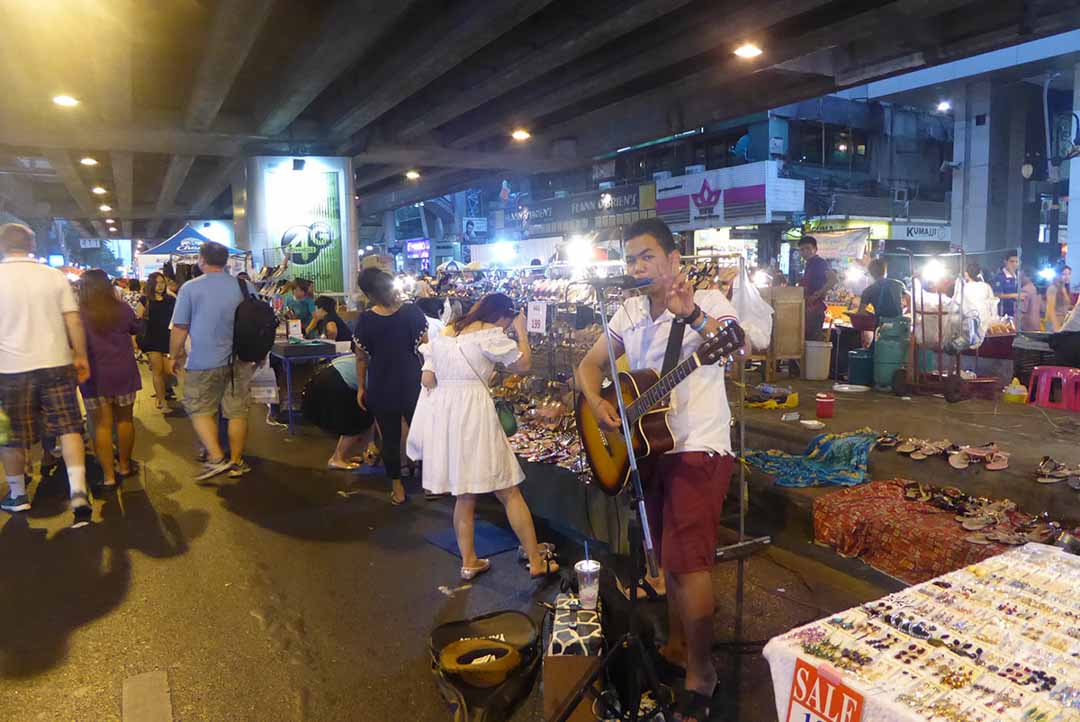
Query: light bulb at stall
[[933, 271]]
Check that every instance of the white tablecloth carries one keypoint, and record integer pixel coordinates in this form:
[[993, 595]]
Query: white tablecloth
[[1035, 566]]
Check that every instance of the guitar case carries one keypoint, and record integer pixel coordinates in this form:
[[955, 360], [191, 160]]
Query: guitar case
[[479, 696]]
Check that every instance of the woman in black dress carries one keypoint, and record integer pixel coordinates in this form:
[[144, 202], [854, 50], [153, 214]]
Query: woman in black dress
[[156, 307], [388, 364], [326, 323]]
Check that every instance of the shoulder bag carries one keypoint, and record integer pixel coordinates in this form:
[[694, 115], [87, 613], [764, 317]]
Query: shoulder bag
[[503, 409]]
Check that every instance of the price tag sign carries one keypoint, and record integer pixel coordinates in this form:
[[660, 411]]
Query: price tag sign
[[814, 698], [536, 320], [296, 329]]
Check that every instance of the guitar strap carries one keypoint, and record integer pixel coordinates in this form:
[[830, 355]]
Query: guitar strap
[[674, 347]]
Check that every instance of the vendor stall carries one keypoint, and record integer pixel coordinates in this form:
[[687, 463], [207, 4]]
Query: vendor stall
[[997, 640], [183, 247]]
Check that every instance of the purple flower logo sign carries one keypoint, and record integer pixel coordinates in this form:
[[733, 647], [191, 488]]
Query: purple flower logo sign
[[706, 200]]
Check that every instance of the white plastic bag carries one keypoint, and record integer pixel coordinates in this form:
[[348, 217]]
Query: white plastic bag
[[755, 314], [264, 388]]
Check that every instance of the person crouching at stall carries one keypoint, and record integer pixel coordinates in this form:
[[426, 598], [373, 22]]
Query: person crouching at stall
[[460, 439], [330, 403]]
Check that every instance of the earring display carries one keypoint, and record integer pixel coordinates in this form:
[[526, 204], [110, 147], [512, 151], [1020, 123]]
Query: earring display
[[998, 640]]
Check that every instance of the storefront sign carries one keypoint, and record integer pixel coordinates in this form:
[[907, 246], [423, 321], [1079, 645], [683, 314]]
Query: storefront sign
[[612, 201], [89, 243], [842, 244], [921, 232], [478, 225], [746, 193], [418, 248], [815, 698], [536, 321]]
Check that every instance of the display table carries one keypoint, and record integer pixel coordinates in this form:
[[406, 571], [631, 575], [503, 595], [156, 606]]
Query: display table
[[287, 362], [998, 640]]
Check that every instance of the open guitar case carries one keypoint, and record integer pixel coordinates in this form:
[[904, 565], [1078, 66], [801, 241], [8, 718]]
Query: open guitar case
[[470, 703]]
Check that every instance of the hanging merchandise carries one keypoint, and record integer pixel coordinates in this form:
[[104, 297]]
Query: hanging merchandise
[[755, 314]]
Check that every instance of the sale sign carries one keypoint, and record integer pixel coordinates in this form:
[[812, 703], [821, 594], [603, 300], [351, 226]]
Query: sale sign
[[816, 698]]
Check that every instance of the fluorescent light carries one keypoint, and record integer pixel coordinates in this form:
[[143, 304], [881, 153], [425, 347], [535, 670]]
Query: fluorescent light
[[504, 252], [112, 230], [110, 221], [854, 274], [748, 50], [104, 208], [1048, 274], [761, 279], [842, 147], [98, 191], [520, 134], [412, 174], [88, 161], [369, 248], [65, 101], [944, 106]]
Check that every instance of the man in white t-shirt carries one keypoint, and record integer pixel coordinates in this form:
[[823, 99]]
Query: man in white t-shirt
[[42, 355], [685, 495]]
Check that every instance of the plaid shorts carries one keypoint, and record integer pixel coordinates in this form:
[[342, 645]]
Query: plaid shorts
[[93, 403], [40, 402]]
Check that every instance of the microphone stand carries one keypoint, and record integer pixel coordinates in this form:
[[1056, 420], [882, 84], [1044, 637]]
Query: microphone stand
[[640, 537]]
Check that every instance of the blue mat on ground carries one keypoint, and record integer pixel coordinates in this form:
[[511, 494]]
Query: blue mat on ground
[[490, 540], [830, 460]]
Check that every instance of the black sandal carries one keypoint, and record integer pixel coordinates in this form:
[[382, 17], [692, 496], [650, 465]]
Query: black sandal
[[692, 707]]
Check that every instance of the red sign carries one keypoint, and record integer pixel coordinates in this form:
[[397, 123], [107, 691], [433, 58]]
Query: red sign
[[816, 698]]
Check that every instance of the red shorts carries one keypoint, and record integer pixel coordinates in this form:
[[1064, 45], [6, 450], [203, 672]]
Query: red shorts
[[684, 501]]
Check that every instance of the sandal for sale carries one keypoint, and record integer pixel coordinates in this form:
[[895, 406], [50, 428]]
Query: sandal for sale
[[981, 453], [908, 446], [887, 440], [1050, 479], [918, 455], [1074, 483], [998, 462], [1048, 466], [959, 460], [979, 539]]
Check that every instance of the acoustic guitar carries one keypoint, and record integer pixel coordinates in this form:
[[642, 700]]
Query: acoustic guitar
[[643, 392]]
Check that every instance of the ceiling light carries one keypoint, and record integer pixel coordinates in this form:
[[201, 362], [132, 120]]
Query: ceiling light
[[520, 134], [412, 174], [110, 221], [65, 101], [842, 147], [104, 208], [748, 50], [944, 106], [88, 161], [112, 230], [98, 191]]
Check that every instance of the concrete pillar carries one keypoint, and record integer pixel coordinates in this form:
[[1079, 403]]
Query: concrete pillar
[[240, 212], [389, 228], [1073, 254], [282, 200], [971, 181], [1015, 235]]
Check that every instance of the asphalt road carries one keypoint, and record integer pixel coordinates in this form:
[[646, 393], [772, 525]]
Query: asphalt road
[[294, 593]]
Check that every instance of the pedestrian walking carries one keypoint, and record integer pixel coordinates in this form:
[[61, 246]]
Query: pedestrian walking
[[205, 312], [42, 357], [109, 394], [156, 309]]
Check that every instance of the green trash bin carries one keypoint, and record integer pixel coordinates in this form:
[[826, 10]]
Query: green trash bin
[[860, 369]]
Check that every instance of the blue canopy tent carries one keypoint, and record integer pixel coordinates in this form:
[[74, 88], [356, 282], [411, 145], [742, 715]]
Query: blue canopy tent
[[184, 246]]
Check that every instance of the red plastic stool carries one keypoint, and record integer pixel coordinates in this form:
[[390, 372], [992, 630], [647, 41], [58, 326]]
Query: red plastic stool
[[1054, 387]]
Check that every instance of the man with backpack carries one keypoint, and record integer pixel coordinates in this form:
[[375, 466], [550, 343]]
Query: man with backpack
[[228, 327]]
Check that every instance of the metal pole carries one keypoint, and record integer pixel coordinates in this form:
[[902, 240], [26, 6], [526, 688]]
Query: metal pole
[[628, 438]]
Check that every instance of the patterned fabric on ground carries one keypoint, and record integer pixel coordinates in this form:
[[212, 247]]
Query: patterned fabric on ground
[[910, 540], [830, 460]]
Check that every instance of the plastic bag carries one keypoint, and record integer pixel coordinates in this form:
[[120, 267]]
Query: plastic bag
[[264, 389], [755, 314]]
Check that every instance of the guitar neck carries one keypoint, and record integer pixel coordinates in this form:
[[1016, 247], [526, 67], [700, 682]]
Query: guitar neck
[[660, 390]]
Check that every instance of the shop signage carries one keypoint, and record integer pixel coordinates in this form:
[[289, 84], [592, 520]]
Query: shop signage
[[584, 205], [817, 698], [89, 243], [536, 320], [419, 248], [748, 193], [921, 232], [479, 224]]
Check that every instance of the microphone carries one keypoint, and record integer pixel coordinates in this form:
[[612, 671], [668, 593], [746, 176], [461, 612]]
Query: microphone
[[623, 282]]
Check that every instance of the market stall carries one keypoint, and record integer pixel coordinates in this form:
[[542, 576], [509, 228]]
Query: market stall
[[183, 247], [997, 640]]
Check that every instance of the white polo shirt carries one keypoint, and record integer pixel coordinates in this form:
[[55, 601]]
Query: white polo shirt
[[700, 419], [33, 301]]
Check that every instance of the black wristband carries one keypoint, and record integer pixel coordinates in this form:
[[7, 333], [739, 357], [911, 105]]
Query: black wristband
[[693, 317]]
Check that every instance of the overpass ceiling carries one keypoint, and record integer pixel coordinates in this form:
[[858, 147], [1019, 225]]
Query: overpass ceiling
[[174, 91]]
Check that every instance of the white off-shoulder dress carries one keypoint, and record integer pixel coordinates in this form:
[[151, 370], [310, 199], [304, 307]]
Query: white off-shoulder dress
[[455, 429]]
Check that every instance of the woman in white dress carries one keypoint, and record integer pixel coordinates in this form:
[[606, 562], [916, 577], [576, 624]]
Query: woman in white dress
[[459, 437]]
